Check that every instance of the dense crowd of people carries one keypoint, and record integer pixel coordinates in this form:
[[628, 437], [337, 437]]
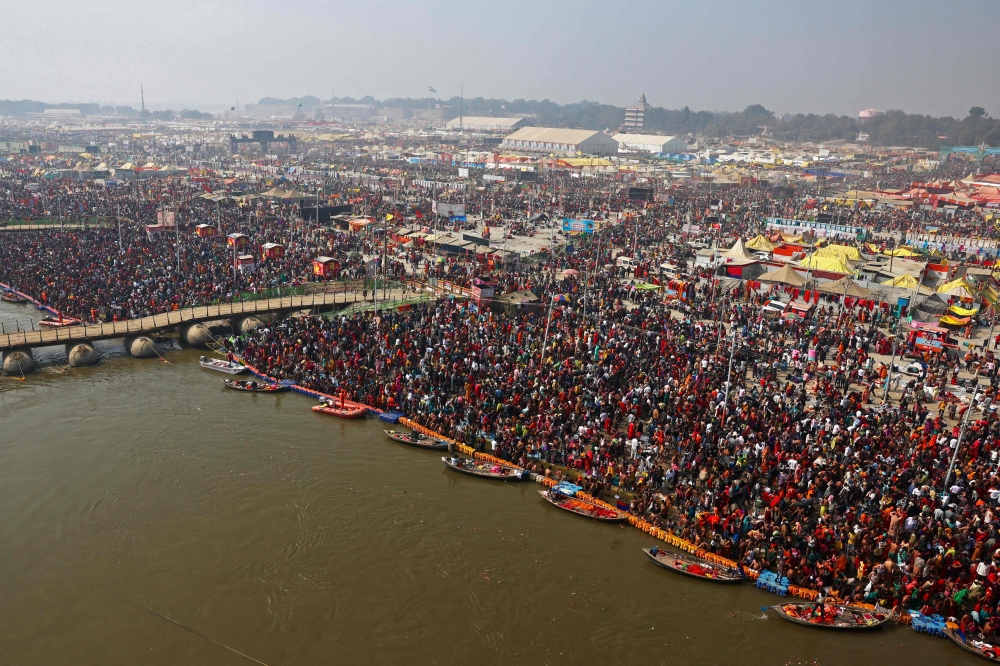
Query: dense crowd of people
[[763, 440], [798, 467]]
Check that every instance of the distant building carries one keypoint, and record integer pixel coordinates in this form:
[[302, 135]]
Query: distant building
[[651, 143], [62, 112], [558, 140], [486, 123], [635, 115], [868, 114]]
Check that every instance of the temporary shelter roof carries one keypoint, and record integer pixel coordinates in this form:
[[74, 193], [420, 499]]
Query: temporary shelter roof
[[958, 287], [784, 275], [842, 252], [906, 281], [932, 305], [901, 252], [737, 251], [845, 287], [761, 244], [831, 264]]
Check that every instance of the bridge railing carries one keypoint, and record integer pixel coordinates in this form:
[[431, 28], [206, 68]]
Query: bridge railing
[[191, 314]]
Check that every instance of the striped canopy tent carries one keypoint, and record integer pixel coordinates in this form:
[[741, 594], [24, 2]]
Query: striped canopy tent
[[784, 275]]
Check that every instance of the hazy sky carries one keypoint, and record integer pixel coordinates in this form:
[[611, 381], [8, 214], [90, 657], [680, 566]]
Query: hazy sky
[[923, 56]]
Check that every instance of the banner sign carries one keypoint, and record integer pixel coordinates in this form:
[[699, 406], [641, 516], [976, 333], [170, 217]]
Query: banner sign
[[448, 209], [584, 226]]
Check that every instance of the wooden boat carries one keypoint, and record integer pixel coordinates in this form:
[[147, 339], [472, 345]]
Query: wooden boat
[[985, 647], [417, 439], [487, 469], [693, 566], [228, 367], [56, 322], [834, 616], [350, 410], [11, 297], [582, 507], [254, 386]]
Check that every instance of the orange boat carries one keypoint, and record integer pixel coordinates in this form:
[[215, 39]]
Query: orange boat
[[581, 507], [348, 411]]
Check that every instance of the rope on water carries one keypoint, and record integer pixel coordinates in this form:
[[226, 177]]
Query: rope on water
[[196, 633]]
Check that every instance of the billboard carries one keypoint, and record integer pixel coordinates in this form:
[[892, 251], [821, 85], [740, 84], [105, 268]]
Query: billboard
[[640, 193], [578, 226], [448, 209]]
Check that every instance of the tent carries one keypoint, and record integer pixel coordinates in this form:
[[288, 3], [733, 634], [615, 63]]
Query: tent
[[761, 244], [963, 312], [784, 275], [958, 287], [737, 251], [831, 264], [843, 252], [844, 287], [278, 193], [900, 252], [906, 281], [932, 306]]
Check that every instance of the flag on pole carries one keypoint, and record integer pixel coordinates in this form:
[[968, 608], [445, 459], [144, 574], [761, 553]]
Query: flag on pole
[[388, 217], [431, 88]]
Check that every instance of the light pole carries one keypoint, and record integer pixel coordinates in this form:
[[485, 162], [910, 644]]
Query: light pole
[[961, 434], [548, 320], [729, 376]]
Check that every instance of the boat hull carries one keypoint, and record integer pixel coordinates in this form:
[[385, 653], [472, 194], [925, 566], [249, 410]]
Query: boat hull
[[694, 567], [582, 507], [342, 412], [262, 387], [221, 366], [507, 473], [424, 442], [846, 619], [986, 649]]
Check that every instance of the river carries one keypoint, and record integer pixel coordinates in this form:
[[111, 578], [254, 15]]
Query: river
[[141, 489]]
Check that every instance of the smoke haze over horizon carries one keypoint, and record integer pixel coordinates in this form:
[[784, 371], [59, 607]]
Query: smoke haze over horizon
[[921, 56]]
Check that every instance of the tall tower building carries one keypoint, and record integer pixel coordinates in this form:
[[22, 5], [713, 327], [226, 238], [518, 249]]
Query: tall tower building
[[634, 116]]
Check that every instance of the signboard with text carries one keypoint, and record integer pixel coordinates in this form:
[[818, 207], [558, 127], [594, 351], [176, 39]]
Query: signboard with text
[[578, 226]]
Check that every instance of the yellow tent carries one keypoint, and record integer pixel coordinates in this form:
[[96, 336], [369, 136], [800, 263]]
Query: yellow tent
[[842, 252], [963, 312], [761, 244], [832, 264], [900, 252], [958, 288], [905, 281]]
